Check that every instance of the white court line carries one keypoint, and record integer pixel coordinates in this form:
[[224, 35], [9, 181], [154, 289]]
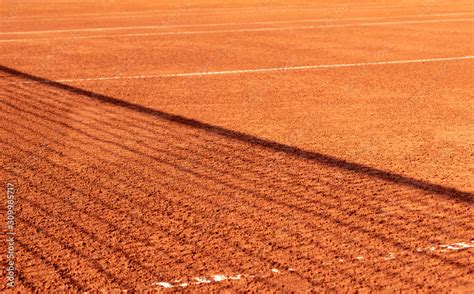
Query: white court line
[[243, 30], [261, 70], [183, 12], [231, 23], [174, 10]]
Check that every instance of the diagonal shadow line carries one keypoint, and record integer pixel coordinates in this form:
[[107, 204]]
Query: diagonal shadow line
[[354, 192], [159, 150], [447, 192]]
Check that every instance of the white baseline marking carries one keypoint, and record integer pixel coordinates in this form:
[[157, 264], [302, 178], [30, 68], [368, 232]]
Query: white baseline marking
[[231, 23], [270, 29], [181, 10], [184, 12], [262, 70]]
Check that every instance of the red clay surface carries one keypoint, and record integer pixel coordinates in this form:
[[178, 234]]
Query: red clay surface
[[327, 179]]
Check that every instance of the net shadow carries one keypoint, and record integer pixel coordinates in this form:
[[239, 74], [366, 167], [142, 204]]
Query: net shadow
[[157, 196]]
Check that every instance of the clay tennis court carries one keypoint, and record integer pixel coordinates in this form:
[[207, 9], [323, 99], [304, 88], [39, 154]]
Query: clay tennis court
[[204, 145]]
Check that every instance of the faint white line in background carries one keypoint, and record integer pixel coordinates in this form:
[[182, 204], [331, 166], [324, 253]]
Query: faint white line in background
[[172, 10], [262, 70], [229, 23], [243, 30], [184, 12]]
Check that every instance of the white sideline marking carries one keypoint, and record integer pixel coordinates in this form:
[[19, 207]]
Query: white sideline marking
[[180, 10], [246, 30], [201, 280], [165, 284], [230, 23], [184, 12], [242, 71], [221, 277], [458, 246]]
